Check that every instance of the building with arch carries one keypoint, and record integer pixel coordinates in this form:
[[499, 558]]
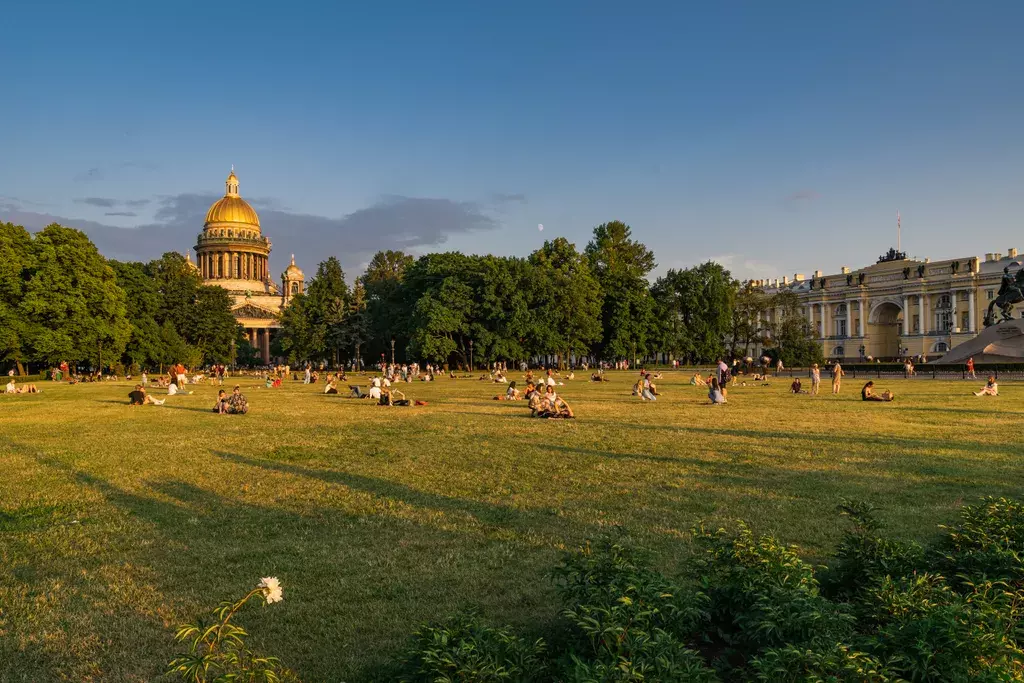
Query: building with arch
[[898, 306], [233, 253]]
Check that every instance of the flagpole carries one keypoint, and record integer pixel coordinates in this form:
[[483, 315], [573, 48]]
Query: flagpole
[[898, 230]]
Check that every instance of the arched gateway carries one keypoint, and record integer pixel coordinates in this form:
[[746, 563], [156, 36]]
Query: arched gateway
[[884, 324]]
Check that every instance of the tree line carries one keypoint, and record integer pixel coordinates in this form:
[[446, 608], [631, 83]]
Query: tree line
[[558, 303], [60, 299]]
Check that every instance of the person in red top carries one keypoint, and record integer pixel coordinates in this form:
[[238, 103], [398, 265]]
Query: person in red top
[[970, 368]]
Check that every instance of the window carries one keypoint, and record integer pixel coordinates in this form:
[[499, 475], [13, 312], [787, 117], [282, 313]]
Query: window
[[940, 347], [917, 323], [965, 320], [838, 352], [295, 288], [990, 294], [945, 321], [841, 309], [841, 327], [945, 301]]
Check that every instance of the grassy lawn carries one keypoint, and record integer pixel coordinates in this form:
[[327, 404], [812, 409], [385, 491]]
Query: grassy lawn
[[118, 523]]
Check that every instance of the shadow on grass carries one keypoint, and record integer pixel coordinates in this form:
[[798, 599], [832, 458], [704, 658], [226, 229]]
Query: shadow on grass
[[363, 579], [489, 514]]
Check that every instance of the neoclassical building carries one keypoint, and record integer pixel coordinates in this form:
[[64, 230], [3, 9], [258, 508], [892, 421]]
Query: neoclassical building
[[233, 253], [898, 305]]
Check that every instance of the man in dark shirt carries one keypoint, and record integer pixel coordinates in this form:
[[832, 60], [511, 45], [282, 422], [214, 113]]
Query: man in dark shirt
[[139, 397]]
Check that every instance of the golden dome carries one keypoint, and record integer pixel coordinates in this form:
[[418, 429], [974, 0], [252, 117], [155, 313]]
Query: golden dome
[[231, 208]]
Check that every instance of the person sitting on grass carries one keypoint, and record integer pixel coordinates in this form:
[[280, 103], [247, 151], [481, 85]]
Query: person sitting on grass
[[796, 387], [139, 397], [868, 393], [331, 387], [221, 406], [173, 389], [715, 392], [511, 394], [236, 403], [990, 388], [375, 386], [557, 409], [697, 380]]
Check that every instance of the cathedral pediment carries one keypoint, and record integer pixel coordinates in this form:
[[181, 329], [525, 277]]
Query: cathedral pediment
[[252, 311]]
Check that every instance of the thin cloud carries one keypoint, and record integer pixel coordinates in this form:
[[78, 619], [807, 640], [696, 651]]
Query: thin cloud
[[505, 198], [137, 203], [803, 196], [102, 202], [120, 213]]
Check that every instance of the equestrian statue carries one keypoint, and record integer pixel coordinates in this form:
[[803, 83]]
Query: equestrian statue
[[1011, 291]]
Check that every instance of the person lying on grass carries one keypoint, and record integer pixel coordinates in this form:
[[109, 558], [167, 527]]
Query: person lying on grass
[[990, 388], [868, 394], [139, 397], [13, 388]]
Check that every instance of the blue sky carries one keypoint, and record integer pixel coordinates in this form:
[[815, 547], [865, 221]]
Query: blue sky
[[776, 137]]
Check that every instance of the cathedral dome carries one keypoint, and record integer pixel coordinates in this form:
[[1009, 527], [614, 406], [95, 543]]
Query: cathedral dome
[[293, 272], [231, 208]]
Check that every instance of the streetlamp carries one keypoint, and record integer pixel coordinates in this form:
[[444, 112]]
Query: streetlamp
[[471, 355], [392, 350]]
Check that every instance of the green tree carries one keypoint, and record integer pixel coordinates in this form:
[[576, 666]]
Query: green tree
[[295, 339], [442, 308], [750, 304], [326, 305], [16, 263], [621, 265], [566, 300], [792, 338], [72, 304], [145, 345], [695, 309], [387, 311]]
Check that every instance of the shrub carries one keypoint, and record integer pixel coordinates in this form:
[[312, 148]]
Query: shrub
[[864, 557], [463, 649], [838, 664], [929, 632], [762, 595], [988, 543]]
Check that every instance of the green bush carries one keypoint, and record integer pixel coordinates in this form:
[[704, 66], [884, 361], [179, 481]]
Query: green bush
[[462, 649], [749, 609]]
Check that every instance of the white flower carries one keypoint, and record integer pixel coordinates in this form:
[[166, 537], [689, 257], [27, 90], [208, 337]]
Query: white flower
[[271, 589]]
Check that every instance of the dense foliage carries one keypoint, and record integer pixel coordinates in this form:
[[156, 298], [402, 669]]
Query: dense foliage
[[60, 300], [557, 303], [749, 609]]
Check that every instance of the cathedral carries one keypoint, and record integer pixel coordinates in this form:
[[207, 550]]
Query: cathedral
[[232, 252]]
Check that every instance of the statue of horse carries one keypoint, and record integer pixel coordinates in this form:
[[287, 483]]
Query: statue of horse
[[1011, 292]]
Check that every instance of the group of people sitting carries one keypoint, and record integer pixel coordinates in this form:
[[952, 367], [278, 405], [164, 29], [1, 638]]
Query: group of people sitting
[[645, 388], [233, 404]]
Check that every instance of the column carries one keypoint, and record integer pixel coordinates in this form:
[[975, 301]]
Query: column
[[810, 314], [826, 319], [923, 299], [952, 301], [862, 309], [266, 345], [971, 295], [906, 316]]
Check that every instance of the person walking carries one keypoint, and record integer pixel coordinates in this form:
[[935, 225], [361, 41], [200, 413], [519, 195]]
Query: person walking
[[815, 379], [970, 368], [837, 377]]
